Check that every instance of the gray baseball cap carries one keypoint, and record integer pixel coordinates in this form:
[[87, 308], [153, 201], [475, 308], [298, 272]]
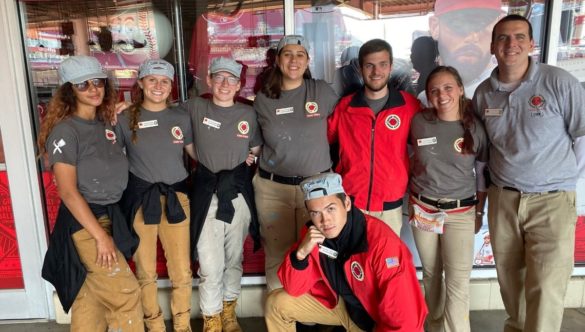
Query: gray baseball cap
[[321, 185], [292, 40], [80, 68], [156, 67], [225, 64]]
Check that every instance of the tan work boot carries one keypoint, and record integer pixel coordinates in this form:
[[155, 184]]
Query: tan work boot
[[229, 321], [212, 323]]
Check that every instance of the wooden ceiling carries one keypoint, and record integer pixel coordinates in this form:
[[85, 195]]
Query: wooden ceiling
[[51, 10]]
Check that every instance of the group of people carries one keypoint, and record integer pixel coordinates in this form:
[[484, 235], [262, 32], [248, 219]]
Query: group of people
[[331, 236]]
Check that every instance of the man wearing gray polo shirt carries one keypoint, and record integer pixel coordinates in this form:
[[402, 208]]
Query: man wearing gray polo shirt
[[534, 118]]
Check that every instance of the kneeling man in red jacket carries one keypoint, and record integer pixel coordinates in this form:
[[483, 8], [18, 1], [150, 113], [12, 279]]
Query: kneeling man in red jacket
[[349, 269]]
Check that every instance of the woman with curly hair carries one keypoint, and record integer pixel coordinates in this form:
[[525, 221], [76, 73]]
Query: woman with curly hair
[[155, 200], [447, 196], [86, 259]]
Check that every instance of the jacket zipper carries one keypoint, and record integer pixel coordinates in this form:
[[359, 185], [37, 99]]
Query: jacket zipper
[[371, 163]]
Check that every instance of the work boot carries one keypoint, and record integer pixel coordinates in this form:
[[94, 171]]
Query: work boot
[[212, 323], [229, 321]]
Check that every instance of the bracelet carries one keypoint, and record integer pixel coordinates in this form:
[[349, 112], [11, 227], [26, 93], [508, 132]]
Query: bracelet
[[479, 213]]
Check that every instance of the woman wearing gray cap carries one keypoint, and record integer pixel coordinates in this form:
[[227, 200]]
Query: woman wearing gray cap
[[156, 198], [226, 138], [86, 259], [292, 112]]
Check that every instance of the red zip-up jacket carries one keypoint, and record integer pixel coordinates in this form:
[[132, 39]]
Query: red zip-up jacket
[[373, 157], [382, 278]]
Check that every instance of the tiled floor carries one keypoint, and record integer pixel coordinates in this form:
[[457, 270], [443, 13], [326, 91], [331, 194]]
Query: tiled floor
[[481, 321]]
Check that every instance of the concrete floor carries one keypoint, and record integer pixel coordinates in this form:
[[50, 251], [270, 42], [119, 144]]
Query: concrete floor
[[481, 321]]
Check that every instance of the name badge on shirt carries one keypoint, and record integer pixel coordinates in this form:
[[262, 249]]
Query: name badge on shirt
[[211, 123], [426, 141], [286, 110], [493, 112], [328, 251], [148, 124]]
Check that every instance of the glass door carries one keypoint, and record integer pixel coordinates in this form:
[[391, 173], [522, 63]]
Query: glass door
[[23, 294]]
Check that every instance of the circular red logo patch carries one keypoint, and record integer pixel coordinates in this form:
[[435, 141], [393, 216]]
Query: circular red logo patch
[[311, 107], [392, 122], [243, 127], [458, 144], [177, 132], [537, 101], [110, 135], [357, 271]]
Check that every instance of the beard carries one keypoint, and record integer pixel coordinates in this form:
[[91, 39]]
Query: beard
[[376, 87], [469, 61]]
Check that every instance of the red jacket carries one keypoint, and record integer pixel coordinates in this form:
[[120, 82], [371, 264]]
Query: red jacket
[[373, 159], [383, 278]]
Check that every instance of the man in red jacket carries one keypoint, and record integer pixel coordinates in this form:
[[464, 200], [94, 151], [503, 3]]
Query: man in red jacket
[[371, 127], [349, 269]]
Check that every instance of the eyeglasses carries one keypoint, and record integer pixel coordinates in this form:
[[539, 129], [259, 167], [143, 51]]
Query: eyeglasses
[[218, 79], [96, 82]]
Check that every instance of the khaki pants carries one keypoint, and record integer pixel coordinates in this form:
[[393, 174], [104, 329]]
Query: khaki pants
[[221, 251], [282, 311], [392, 218], [452, 252], [282, 214], [533, 239], [175, 242], [109, 300]]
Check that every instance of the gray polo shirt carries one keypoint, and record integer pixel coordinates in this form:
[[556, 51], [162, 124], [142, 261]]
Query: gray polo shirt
[[94, 150], [439, 169], [532, 128], [157, 155], [294, 128], [223, 136]]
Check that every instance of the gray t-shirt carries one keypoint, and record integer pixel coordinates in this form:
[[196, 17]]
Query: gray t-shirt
[[439, 169], [532, 128], [93, 148], [376, 105], [157, 155], [223, 136], [294, 128]]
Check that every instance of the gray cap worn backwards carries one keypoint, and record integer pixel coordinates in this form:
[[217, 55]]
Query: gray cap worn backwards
[[227, 65], [292, 40], [322, 185], [80, 68], [156, 67]]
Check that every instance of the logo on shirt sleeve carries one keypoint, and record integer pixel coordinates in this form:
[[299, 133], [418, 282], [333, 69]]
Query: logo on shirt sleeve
[[58, 145], [111, 136], [357, 271], [392, 121]]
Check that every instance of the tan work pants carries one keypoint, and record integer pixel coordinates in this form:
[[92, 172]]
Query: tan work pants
[[282, 311], [452, 252], [282, 214], [175, 242], [392, 218], [533, 239], [108, 299]]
